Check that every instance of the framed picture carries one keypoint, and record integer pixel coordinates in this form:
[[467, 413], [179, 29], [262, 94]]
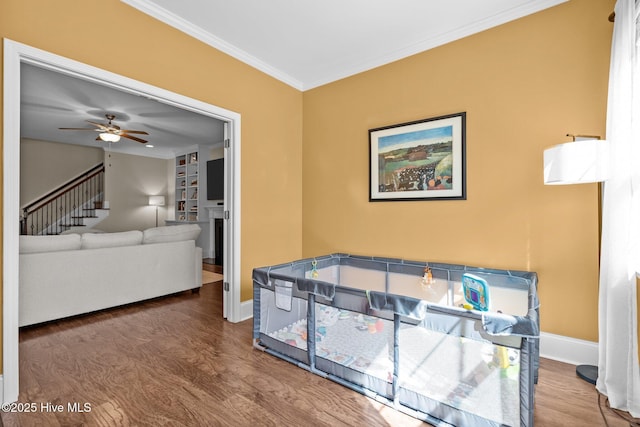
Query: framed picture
[[421, 160]]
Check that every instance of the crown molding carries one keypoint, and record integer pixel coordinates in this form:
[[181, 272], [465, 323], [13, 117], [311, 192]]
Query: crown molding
[[181, 24], [173, 20], [439, 40]]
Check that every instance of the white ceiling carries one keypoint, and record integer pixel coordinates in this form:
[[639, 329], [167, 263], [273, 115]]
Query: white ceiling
[[303, 43], [308, 43], [51, 100]]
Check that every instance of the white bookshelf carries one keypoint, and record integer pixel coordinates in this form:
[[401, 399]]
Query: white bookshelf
[[191, 186]]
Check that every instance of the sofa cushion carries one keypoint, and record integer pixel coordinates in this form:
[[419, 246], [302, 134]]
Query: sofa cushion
[[35, 244], [111, 240], [82, 231], [171, 233]]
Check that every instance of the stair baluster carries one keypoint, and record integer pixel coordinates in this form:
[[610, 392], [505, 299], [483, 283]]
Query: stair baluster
[[65, 206]]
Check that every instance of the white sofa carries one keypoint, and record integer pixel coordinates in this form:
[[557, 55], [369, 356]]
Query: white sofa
[[72, 274]]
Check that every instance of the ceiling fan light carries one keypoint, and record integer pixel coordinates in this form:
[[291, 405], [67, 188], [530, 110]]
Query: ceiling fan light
[[109, 137]]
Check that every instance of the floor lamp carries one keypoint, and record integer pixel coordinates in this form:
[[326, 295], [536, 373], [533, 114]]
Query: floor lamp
[[156, 201], [585, 160]]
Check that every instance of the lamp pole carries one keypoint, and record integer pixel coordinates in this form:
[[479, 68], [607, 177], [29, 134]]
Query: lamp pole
[[156, 201]]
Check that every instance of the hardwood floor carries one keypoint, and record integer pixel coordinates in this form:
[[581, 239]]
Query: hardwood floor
[[208, 265], [173, 361]]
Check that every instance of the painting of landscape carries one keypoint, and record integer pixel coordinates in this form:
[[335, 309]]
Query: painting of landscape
[[416, 161], [419, 160]]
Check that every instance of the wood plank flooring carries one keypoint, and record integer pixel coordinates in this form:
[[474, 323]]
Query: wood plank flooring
[[208, 265], [173, 361]]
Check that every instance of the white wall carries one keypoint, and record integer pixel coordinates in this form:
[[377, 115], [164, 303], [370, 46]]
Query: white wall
[[171, 190], [47, 165], [129, 182]]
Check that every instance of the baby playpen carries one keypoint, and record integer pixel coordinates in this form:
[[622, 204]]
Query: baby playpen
[[403, 333]]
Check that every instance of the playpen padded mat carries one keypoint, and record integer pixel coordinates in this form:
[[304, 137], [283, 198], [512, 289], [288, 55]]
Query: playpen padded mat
[[351, 339]]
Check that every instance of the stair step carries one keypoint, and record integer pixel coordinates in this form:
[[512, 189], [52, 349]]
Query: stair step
[[69, 206]]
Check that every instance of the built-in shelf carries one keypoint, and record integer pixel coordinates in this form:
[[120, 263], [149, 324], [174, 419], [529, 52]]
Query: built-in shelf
[[190, 185]]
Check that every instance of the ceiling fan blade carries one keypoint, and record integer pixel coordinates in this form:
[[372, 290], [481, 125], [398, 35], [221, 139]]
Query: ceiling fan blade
[[134, 131], [113, 129], [142, 141], [100, 125]]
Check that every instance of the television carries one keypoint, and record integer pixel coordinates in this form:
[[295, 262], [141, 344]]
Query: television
[[215, 179]]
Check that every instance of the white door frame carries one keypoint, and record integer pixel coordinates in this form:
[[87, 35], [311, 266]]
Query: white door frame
[[14, 55]]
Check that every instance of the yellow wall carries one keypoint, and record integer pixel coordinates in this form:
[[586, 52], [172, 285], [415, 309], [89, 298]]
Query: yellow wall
[[120, 39], [524, 86]]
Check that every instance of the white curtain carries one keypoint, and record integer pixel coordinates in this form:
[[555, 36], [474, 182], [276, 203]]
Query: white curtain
[[618, 370]]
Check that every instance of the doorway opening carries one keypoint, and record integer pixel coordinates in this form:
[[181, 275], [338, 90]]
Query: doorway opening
[[16, 54]]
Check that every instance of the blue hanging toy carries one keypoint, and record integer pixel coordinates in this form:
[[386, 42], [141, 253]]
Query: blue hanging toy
[[476, 292], [314, 271]]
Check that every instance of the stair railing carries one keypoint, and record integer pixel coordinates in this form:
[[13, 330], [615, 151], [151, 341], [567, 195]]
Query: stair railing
[[65, 206]]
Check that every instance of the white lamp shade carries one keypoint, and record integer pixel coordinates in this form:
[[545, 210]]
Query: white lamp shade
[[577, 162], [156, 200], [109, 137]]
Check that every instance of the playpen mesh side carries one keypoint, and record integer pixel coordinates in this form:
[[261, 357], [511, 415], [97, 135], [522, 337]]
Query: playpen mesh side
[[282, 320], [440, 361], [355, 346], [439, 371]]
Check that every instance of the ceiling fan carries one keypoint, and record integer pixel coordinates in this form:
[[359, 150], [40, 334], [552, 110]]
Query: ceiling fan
[[111, 132]]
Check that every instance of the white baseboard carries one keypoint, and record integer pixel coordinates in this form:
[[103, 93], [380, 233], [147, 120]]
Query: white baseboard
[[246, 310], [568, 350], [2, 389]]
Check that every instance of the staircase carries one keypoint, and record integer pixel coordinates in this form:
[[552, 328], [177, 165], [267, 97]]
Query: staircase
[[75, 205], [88, 221]]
